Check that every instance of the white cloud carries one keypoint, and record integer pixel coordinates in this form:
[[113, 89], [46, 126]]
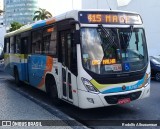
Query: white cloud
[[123, 2]]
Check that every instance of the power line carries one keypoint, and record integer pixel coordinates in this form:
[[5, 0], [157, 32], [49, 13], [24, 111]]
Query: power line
[[108, 4]]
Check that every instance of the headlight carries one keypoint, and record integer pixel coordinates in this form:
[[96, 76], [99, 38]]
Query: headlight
[[148, 81], [89, 86]]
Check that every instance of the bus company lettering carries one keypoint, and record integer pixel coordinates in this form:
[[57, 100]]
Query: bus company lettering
[[134, 87]]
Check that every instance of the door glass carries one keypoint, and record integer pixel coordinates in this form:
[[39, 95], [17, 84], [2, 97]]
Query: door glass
[[63, 50], [69, 51], [24, 45], [67, 62]]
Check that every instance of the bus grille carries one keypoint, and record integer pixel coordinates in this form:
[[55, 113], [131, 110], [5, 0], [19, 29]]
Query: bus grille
[[114, 99]]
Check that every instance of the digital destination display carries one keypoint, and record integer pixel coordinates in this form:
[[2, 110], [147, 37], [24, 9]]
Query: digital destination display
[[109, 18]]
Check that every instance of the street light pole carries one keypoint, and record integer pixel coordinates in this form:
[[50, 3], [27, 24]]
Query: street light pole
[[72, 4]]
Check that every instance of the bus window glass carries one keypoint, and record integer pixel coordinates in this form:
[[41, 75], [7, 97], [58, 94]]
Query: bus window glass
[[132, 44], [49, 41], [69, 50], [37, 42], [12, 45], [6, 45], [109, 50], [24, 45], [18, 41]]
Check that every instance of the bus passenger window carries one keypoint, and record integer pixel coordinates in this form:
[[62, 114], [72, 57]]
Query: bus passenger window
[[6, 45], [18, 41], [24, 44], [37, 42], [50, 41], [12, 43]]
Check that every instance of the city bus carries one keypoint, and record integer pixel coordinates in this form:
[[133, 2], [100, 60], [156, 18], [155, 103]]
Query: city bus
[[88, 58]]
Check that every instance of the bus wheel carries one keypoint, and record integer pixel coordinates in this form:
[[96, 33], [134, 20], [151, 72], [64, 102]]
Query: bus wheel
[[52, 88], [16, 77], [157, 76]]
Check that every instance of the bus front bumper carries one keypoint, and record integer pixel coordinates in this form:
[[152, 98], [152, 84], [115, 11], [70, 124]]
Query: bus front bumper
[[91, 100]]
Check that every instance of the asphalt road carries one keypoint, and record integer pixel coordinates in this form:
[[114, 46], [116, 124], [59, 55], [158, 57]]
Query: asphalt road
[[145, 109]]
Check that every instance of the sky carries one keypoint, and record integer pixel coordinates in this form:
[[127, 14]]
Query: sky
[[123, 2], [57, 7]]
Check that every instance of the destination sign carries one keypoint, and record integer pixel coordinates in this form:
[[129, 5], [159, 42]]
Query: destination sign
[[109, 18]]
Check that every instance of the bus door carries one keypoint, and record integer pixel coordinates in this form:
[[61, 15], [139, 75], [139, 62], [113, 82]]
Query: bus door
[[68, 79]]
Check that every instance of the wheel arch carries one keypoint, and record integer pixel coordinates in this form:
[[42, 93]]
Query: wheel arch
[[49, 76]]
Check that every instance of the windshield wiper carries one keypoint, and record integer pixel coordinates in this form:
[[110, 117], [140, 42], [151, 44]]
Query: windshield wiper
[[107, 34]]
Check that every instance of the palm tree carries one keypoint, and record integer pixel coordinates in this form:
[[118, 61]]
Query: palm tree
[[15, 26], [41, 14], [1, 11]]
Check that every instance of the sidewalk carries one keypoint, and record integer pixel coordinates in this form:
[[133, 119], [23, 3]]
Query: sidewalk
[[15, 106]]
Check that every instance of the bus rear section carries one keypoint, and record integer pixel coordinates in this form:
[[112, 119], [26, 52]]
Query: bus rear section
[[112, 58]]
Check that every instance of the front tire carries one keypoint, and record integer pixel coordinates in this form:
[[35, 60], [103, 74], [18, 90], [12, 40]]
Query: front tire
[[51, 88], [157, 76], [52, 91]]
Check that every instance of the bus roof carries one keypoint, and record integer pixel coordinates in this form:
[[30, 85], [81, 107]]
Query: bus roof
[[70, 14]]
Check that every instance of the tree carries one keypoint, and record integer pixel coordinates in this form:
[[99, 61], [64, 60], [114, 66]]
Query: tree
[[1, 11], [41, 14], [15, 26]]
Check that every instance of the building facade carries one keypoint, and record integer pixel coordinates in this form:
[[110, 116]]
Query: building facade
[[21, 11], [2, 31], [149, 11], [1, 5]]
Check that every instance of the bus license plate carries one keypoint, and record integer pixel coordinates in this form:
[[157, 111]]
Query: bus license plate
[[123, 101]]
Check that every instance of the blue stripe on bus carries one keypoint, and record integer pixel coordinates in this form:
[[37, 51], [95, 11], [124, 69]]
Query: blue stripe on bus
[[128, 88], [39, 24], [21, 69]]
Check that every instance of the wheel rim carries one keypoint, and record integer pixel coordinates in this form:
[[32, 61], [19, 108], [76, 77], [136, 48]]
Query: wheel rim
[[158, 76]]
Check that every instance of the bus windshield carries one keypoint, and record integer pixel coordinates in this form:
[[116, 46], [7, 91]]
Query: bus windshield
[[113, 50]]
